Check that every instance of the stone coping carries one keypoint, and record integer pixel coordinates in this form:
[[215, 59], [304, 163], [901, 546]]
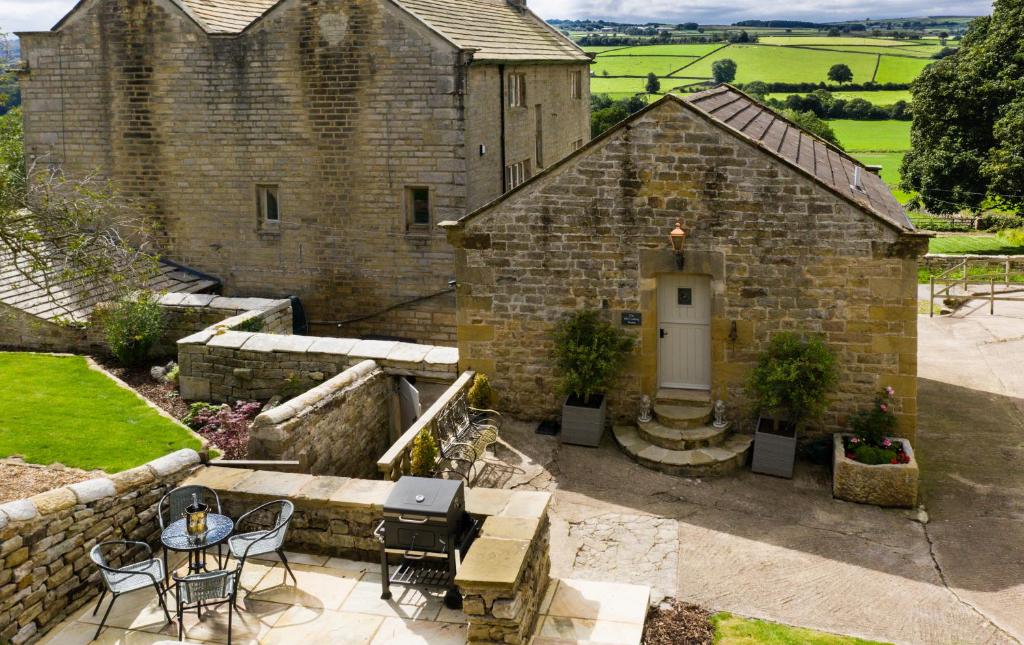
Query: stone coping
[[512, 519], [93, 490], [308, 399], [213, 301]]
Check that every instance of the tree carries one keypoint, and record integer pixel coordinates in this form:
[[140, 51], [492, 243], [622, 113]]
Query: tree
[[968, 120], [724, 70], [757, 89], [604, 112], [840, 73], [808, 121], [653, 84], [834, 32]]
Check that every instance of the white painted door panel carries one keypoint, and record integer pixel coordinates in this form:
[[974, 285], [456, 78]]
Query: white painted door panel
[[684, 329]]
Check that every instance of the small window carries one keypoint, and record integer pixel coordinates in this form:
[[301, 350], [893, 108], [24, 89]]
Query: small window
[[517, 173], [417, 204], [577, 144], [576, 85], [517, 90], [268, 204]]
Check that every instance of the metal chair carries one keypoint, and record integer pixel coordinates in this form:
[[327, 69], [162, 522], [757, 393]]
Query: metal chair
[[132, 577], [260, 542], [177, 500], [206, 589]]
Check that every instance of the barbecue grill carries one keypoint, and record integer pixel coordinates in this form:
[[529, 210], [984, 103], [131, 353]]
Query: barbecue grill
[[427, 530]]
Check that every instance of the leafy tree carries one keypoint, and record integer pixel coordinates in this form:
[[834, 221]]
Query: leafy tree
[[605, 112], [653, 84], [840, 73], [757, 89], [724, 70], [834, 32], [968, 127], [810, 122]]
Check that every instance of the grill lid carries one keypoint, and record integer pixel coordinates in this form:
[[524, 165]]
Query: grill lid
[[423, 496]]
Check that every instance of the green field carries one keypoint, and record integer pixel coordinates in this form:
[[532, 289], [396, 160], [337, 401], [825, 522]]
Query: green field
[[892, 69], [638, 65], [784, 64], [664, 50], [828, 40], [914, 52], [872, 136], [881, 97], [55, 409]]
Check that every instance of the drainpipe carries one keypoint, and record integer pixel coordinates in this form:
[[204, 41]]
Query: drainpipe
[[501, 111]]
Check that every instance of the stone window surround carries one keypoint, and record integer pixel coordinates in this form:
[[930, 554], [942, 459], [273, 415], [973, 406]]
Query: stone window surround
[[408, 203], [517, 90], [268, 226], [576, 84]]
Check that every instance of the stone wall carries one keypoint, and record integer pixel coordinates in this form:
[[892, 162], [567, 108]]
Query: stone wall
[[340, 427], [186, 314], [781, 252], [341, 104], [429, 322], [45, 569], [22, 331], [219, 365]]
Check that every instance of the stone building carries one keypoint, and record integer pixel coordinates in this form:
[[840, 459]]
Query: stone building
[[784, 232], [309, 147]]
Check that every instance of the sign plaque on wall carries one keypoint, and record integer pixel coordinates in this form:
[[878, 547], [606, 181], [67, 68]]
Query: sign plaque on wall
[[632, 318]]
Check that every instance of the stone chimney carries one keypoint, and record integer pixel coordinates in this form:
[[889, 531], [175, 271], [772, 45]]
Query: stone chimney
[[518, 5]]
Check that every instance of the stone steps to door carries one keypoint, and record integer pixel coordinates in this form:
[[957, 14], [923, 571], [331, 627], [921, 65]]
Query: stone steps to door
[[682, 416], [682, 438], [699, 462], [670, 396]]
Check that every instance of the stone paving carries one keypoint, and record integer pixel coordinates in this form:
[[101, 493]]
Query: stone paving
[[784, 550]]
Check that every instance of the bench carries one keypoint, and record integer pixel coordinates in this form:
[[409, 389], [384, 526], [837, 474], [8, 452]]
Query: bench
[[463, 434]]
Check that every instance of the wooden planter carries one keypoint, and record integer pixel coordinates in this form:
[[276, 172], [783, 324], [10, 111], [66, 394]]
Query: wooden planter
[[881, 485], [583, 425], [774, 450]]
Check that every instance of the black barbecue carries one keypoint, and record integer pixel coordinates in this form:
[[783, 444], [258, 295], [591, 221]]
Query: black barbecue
[[427, 530]]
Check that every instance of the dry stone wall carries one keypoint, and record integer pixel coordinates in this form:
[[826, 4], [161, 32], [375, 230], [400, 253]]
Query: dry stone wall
[[782, 252], [23, 331], [340, 427], [188, 313], [45, 569]]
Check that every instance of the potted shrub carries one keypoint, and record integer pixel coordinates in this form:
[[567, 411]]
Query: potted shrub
[[790, 383], [870, 466], [589, 351]]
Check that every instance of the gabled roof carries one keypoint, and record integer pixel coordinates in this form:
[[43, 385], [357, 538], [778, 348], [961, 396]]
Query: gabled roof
[[50, 296], [760, 125], [727, 108], [495, 29]]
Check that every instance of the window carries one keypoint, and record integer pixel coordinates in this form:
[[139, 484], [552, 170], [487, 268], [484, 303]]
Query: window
[[517, 173], [538, 152], [267, 205], [417, 207], [577, 144], [517, 90], [576, 85]]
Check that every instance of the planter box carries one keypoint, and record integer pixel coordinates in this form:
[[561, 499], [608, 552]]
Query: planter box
[[774, 453], [881, 485], [583, 425]]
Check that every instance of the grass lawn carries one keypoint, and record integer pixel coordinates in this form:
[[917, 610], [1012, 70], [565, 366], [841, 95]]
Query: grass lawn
[[977, 244], [783, 64], [872, 136], [733, 630], [880, 97], [56, 409]]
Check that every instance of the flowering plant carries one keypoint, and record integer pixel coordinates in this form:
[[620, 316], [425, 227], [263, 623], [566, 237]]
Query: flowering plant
[[871, 428]]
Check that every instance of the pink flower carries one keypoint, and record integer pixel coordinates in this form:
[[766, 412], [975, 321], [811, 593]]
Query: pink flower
[[883, 407], [889, 390], [886, 443], [854, 440]]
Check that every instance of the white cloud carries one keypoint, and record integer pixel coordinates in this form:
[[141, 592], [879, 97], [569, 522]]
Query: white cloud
[[32, 15]]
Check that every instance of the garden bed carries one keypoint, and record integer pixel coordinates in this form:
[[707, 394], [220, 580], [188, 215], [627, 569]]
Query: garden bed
[[879, 484]]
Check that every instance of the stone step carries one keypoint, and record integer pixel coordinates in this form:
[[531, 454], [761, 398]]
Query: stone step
[[672, 396], [682, 416], [682, 438], [714, 461]]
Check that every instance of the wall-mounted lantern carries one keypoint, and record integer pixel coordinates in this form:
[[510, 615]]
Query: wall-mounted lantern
[[678, 238]]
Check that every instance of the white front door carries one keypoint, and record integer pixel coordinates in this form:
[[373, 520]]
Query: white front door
[[684, 330]]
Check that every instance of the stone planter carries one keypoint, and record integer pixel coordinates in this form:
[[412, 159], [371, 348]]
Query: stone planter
[[881, 485], [583, 425], [774, 452]]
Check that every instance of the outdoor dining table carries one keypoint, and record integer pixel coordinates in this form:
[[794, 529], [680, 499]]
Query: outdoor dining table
[[176, 538]]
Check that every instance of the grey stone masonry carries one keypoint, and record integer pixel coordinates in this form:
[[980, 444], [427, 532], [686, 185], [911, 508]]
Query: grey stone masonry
[[188, 313], [45, 570], [340, 427]]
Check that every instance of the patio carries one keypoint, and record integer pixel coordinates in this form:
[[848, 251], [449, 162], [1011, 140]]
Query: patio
[[337, 601]]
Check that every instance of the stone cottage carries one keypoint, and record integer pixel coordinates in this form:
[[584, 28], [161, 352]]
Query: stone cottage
[[783, 232], [309, 147]]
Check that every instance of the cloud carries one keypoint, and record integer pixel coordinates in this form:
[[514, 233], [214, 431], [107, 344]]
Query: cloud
[[32, 15]]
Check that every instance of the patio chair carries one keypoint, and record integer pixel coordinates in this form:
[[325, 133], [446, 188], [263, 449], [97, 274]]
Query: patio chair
[[174, 503], [148, 573], [207, 589], [244, 545]]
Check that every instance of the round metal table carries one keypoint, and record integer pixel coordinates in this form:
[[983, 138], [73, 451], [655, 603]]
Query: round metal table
[[176, 538]]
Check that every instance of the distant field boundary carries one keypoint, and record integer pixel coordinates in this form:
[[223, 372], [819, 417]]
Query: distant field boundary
[[878, 63], [845, 51], [697, 60], [601, 55]]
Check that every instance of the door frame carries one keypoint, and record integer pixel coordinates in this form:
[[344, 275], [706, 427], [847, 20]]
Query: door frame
[[659, 323]]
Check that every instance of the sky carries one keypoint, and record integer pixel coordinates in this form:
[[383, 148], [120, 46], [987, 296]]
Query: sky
[[30, 15]]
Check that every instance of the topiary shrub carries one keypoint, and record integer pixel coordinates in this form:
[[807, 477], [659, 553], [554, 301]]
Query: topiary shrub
[[481, 395], [588, 353], [132, 325], [794, 375], [424, 454]]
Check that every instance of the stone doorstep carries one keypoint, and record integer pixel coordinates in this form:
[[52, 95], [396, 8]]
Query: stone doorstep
[[682, 416], [682, 438], [696, 462]]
